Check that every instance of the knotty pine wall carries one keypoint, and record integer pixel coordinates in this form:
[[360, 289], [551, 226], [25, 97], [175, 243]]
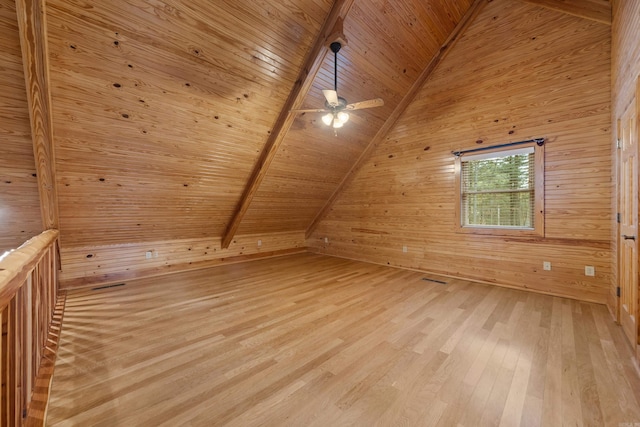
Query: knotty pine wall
[[104, 264], [625, 58], [19, 202], [519, 71]]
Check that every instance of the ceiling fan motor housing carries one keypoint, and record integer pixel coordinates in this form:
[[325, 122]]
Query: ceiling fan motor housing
[[342, 104]]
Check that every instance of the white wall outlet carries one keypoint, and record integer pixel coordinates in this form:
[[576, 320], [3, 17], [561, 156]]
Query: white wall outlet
[[148, 254], [546, 265], [326, 240], [589, 270], [259, 242], [405, 249]]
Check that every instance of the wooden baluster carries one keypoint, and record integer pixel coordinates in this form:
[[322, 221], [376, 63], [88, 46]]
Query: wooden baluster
[[10, 374], [38, 320], [42, 303], [31, 275], [20, 354], [27, 338], [36, 323]]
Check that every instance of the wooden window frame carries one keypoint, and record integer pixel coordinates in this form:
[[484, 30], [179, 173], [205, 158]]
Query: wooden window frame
[[538, 220]]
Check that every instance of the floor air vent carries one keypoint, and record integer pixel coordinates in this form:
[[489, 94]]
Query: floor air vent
[[107, 286], [434, 280]]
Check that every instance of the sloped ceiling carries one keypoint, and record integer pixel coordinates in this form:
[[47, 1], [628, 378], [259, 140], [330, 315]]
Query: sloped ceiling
[[389, 44], [163, 110]]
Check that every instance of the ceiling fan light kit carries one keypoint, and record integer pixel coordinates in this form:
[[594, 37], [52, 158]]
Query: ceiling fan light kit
[[334, 105], [336, 120]]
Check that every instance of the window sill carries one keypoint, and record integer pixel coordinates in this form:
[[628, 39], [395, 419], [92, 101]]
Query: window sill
[[498, 231]]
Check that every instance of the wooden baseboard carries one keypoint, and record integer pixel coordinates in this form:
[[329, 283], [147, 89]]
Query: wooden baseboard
[[470, 279], [111, 278]]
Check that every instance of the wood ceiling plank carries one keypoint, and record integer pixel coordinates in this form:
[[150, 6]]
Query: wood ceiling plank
[[32, 26], [466, 20], [595, 10], [310, 68]]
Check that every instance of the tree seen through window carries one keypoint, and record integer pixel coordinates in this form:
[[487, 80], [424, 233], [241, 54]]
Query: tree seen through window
[[499, 191]]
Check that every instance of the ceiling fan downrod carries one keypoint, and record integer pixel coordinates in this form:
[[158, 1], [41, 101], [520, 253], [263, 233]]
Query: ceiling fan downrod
[[335, 48]]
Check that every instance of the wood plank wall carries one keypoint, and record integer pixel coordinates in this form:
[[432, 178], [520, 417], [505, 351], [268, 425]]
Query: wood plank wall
[[93, 265], [520, 71], [19, 203], [625, 58]]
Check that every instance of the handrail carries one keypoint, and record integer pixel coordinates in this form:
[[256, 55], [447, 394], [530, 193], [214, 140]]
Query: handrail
[[16, 266], [28, 303]]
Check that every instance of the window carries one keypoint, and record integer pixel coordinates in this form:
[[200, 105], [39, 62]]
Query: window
[[501, 191]]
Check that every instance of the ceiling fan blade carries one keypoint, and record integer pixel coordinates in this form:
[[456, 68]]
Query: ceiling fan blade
[[312, 110], [378, 102], [331, 96]]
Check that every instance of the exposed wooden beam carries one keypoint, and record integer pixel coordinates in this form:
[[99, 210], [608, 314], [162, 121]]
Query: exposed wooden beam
[[446, 47], [314, 60], [33, 40], [595, 10]]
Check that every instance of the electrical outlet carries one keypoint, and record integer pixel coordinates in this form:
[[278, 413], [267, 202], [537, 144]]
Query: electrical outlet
[[148, 254], [405, 249], [259, 243], [546, 265], [326, 240], [155, 254], [589, 270]]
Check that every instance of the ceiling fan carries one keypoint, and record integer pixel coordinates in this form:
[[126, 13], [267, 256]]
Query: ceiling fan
[[336, 106]]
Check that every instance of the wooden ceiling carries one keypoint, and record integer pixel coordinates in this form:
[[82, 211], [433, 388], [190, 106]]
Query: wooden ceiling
[[171, 118], [161, 109]]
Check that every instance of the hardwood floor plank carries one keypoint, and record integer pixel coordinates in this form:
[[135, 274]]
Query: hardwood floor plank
[[591, 414], [310, 340], [533, 405], [524, 341], [552, 402], [571, 404], [485, 384], [495, 404]]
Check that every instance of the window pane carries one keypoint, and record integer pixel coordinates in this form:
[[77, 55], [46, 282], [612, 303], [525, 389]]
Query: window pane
[[499, 209], [499, 191]]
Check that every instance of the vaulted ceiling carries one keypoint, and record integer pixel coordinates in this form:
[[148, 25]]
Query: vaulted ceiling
[[161, 109], [171, 118]]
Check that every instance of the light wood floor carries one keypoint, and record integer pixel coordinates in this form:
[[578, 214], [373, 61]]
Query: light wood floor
[[309, 340]]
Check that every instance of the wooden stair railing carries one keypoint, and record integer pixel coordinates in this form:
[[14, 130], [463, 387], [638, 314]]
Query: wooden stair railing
[[28, 303]]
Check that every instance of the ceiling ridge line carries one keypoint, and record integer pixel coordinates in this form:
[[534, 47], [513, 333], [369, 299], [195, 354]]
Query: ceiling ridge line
[[384, 130]]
